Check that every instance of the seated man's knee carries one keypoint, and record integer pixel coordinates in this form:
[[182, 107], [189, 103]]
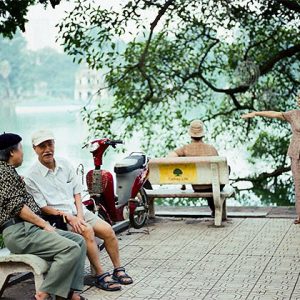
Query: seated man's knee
[[88, 233], [73, 250], [104, 230]]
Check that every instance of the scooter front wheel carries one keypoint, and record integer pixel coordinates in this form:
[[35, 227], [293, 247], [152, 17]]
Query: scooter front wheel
[[138, 210]]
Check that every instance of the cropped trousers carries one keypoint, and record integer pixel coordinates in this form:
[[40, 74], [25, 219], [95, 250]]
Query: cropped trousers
[[295, 166]]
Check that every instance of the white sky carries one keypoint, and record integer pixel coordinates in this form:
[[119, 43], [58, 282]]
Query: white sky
[[40, 30]]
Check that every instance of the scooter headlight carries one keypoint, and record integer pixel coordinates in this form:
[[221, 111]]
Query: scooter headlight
[[93, 147]]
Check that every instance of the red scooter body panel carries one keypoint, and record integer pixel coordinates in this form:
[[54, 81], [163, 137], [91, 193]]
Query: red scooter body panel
[[105, 187], [139, 181]]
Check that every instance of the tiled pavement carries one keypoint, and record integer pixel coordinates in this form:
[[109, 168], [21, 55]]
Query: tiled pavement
[[189, 259]]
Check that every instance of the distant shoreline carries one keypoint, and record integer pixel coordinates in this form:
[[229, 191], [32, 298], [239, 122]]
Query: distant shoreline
[[21, 109]]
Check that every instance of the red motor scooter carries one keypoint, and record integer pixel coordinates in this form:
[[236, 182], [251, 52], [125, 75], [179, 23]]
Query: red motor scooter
[[131, 174]]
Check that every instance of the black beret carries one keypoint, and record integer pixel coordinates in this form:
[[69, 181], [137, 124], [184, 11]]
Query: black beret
[[8, 140]]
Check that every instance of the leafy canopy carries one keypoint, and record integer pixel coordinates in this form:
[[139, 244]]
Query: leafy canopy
[[211, 60]]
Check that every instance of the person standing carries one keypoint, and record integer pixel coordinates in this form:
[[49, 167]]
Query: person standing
[[25, 232], [292, 117]]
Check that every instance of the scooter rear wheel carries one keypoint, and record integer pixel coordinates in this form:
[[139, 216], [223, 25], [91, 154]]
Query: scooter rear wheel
[[140, 214]]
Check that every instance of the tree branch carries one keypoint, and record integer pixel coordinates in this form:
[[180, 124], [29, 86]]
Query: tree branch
[[152, 27], [264, 69], [258, 44], [277, 57], [265, 175], [292, 5], [222, 113]]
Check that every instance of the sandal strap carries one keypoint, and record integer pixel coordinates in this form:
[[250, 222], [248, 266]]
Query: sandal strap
[[102, 276], [119, 269], [124, 276], [107, 285], [120, 278]]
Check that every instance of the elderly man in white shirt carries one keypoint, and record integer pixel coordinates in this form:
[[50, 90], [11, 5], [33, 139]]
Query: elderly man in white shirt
[[55, 187]]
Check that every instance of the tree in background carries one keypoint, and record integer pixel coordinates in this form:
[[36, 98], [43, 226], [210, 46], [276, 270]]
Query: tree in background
[[15, 66], [211, 60], [26, 74], [22, 72]]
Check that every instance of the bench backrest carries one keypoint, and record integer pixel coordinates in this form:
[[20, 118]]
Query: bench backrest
[[194, 170]]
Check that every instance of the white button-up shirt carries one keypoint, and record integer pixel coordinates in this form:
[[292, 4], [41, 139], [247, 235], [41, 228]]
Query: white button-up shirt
[[54, 188]]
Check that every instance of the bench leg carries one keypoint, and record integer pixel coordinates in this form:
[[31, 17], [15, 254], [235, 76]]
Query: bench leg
[[224, 214], [218, 210], [218, 216], [17, 267], [151, 208], [4, 279], [38, 280]]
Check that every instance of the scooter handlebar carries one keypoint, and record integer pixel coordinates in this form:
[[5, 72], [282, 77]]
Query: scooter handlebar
[[113, 142]]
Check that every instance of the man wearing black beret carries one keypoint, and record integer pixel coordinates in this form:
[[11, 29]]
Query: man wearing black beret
[[25, 232]]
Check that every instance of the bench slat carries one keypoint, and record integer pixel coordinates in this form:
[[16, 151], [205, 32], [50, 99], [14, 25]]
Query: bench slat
[[189, 193]]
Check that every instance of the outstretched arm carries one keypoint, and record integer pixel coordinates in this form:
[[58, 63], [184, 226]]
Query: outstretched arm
[[267, 114]]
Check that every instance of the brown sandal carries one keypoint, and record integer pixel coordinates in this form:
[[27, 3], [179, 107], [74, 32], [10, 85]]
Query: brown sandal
[[297, 221]]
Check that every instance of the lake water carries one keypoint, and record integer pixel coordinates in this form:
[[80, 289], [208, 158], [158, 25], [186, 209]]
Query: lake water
[[71, 133], [66, 123]]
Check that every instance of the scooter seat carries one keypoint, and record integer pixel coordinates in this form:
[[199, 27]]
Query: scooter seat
[[129, 164]]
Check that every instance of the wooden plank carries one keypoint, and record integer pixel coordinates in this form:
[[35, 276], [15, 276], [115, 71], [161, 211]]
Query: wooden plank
[[176, 193], [187, 159]]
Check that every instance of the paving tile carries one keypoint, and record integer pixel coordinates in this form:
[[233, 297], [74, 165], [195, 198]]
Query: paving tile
[[187, 259], [267, 297], [185, 294], [225, 296], [146, 290]]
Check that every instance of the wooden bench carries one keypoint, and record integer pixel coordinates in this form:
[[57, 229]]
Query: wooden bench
[[15, 263], [205, 170]]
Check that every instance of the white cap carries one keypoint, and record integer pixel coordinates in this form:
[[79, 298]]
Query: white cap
[[41, 136]]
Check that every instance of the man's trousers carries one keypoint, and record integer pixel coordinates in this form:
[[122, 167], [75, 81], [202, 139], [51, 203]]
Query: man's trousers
[[66, 251]]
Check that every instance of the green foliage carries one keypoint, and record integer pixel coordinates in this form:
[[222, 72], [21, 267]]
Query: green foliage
[[271, 144], [24, 73], [13, 15], [212, 60]]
